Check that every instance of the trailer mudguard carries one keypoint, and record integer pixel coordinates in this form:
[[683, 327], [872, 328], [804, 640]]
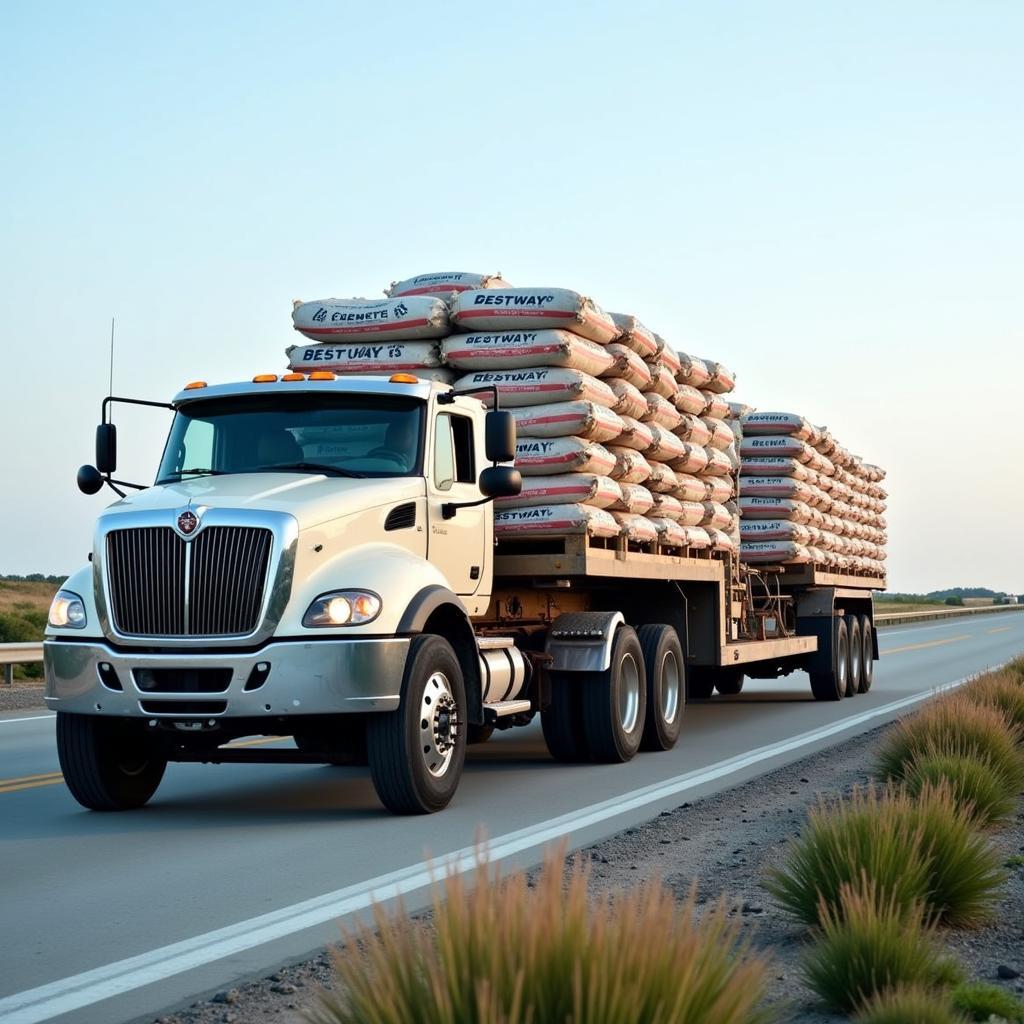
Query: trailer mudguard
[[582, 641]]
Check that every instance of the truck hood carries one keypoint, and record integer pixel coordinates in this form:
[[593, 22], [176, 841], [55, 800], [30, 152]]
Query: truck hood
[[310, 498]]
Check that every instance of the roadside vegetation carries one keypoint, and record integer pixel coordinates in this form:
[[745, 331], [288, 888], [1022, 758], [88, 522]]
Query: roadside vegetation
[[24, 603]]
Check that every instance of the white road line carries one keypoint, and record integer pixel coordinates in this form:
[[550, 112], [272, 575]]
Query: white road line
[[30, 718], [72, 993]]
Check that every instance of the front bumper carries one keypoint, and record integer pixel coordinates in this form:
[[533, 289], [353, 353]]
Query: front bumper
[[324, 677]]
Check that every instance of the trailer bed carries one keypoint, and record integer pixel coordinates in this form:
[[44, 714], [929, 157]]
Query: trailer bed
[[813, 576]]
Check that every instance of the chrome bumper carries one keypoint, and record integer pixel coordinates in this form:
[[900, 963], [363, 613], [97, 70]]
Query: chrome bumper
[[322, 678]]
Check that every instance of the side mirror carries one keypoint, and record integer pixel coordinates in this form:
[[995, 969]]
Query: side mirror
[[500, 481], [500, 437], [106, 448], [90, 479]]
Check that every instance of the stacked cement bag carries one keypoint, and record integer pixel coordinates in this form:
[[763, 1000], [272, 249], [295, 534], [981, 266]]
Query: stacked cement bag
[[806, 499]]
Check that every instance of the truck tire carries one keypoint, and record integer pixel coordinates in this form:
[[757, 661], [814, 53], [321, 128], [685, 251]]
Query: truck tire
[[729, 681], [867, 667], [700, 682], [104, 768], [417, 752], [832, 685], [562, 720], [478, 733], [855, 643], [666, 686], [614, 702]]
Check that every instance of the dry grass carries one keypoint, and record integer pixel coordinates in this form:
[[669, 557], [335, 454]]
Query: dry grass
[[909, 1004], [509, 952], [18, 597], [1003, 690]]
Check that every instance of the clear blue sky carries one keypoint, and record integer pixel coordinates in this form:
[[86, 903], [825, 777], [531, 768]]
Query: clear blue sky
[[829, 197]]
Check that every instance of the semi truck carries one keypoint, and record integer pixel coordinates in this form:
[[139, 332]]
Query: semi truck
[[316, 559]]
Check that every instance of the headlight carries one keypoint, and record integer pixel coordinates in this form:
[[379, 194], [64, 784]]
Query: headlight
[[67, 611], [343, 608]]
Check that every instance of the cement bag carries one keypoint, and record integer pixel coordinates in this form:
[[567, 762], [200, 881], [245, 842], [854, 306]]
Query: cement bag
[[720, 541], [720, 431], [692, 488], [667, 507], [689, 400], [526, 309], [635, 499], [732, 453], [539, 386], [662, 413], [444, 283], [667, 355], [722, 380], [636, 528], [693, 460], [554, 521], [716, 516], [692, 371], [776, 529], [351, 321], [717, 407], [697, 537], [665, 446], [380, 357], [788, 423], [565, 489], [630, 466], [568, 419], [789, 447], [777, 487], [635, 435], [773, 551], [738, 410], [629, 401], [691, 513], [693, 429], [537, 456], [670, 533], [773, 465], [514, 350], [629, 366], [635, 336], [662, 479], [775, 508], [662, 382], [718, 463], [717, 488]]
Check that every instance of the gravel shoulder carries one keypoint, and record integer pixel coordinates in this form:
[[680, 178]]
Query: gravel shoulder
[[724, 842], [24, 695]]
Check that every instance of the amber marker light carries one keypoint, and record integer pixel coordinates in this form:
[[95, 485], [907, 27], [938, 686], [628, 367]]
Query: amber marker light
[[294, 376], [195, 384], [403, 378], [265, 378], [323, 375]]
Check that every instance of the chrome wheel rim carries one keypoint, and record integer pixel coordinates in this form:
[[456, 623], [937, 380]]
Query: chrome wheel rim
[[855, 661], [629, 693], [671, 687], [843, 666], [439, 724]]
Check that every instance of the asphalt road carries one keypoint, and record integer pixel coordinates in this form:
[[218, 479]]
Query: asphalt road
[[233, 869]]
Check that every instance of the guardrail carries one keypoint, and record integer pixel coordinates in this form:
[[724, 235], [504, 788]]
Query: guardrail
[[894, 618], [18, 654]]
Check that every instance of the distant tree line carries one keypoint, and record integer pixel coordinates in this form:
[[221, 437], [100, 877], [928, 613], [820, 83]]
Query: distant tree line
[[953, 596], [34, 577]]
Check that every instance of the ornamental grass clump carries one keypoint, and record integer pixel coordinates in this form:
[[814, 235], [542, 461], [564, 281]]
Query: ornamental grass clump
[[979, 1000], [1003, 690], [507, 952], [974, 784], [868, 945], [957, 726], [909, 1005]]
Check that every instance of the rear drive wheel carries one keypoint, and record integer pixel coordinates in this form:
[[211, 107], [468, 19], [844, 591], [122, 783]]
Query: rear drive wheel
[[729, 681], [104, 765], [614, 701], [832, 685], [417, 752], [867, 667], [855, 643], [666, 686], [562, 720]]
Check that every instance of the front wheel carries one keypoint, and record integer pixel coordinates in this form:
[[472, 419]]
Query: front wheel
[[417, 752], [614, 702], [106, 768]]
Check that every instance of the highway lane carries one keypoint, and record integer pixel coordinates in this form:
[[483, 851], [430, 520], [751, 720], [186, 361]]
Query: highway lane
[[221, 846]]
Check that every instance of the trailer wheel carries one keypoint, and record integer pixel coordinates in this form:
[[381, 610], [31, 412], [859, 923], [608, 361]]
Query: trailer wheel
[[562, 720], [832, 685], [729, 681], [867, 666], [615, 701], [855, 643], [105, 768], [700, 682], [666, 686], [417, 752]]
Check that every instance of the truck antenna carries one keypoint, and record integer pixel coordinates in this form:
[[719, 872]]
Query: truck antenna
[[111, 391]]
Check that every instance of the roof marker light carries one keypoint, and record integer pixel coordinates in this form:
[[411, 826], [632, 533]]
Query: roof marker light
[[403, 378], [294, 376], [265, 378], [323, 375], [195, 384]]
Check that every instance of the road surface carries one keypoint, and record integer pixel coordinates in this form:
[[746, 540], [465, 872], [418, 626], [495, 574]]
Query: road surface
[[235, 869]]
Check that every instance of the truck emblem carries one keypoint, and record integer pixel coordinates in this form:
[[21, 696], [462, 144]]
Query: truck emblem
[[187, 522]]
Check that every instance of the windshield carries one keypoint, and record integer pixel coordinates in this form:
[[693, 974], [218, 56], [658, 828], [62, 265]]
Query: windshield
[[336, 434]]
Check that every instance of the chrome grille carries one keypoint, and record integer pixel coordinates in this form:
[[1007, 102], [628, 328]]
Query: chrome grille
[[212, 585]]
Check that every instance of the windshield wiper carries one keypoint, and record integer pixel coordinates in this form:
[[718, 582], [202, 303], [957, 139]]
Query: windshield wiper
[[313, 467], [190, 472]]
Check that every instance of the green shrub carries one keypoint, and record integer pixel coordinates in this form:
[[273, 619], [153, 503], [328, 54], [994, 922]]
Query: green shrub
[[1002, 690], [504, 952], [980, 1001], [869, 944], [908, 1005], [975, 784], [957, 726]]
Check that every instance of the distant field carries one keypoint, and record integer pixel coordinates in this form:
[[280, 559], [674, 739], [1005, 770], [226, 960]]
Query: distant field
[[895, 607], [23, 608]]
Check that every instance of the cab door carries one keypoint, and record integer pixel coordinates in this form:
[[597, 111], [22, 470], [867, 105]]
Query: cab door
[[455, 545]]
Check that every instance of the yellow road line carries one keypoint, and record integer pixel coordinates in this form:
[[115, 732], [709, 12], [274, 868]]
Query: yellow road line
[[255, 743], [30, 778], [930, 643], [998, 629], [5, 788]]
